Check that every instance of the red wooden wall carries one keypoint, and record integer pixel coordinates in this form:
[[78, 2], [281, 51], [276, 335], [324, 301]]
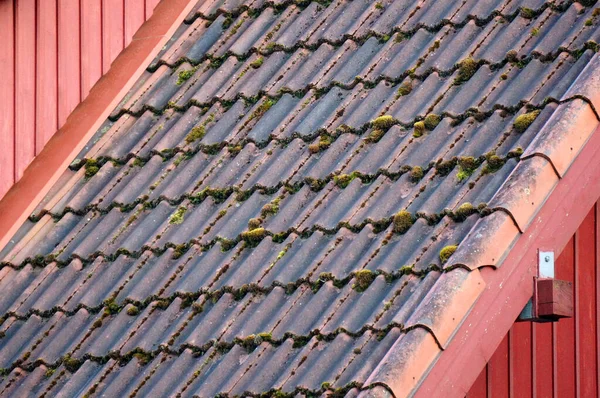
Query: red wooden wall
[[51, 54], [555, 359]]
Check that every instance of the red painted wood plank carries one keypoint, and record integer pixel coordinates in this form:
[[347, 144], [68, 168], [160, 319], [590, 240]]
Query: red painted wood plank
[[542, 361], [112, 31], [521, 360], [597, 314], [91, 44], [498, 372], [479, 388], [565, 330], [7, 91], [69, 77], [46, 116], [24, 85], [135, 12], [585, 307]]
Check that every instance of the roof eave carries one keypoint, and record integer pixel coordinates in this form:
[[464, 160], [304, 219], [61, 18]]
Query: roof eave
[[48, 166]]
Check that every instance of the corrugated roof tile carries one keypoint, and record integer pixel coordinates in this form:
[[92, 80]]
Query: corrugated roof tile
[[297, 197]]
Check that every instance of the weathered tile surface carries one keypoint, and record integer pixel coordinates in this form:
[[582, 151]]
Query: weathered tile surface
[[231, 228]]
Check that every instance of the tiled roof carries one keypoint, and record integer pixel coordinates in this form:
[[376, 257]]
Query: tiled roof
[[275, 206]]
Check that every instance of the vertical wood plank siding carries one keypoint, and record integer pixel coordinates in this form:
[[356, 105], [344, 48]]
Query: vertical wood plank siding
[[51, 54], [559, 359]]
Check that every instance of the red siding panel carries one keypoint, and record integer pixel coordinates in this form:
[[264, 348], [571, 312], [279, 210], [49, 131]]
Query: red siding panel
[[135, 14], [560, 359], [564, 349], [597, 312], [543, 371], [46, 107], [91, 44], [51, 54], [498, 371], [521, 360], [69, 70], [112, 31], [7, 93], [586, 348], [25, 85]]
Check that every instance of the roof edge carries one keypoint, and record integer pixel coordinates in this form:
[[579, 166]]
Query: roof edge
[[87, 117], [535, 217], [510, 286]]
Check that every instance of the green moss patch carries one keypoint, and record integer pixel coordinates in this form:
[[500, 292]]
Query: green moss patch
[[257, 63], [402, 221], [184, 76], [227, 22], [197, 133], [343, 180], [466, 166], [143, 358], [446, 252], [254, 237], [404, 89], [111, 307], [468, 162], [431, 121], [180, 250], [416, 174], [270, 208], [466, 70], [324, 142], [254, 223], [363, 279], [375, 135], [177, 217], [527, 13], [493, 164], [383, 122], [262, 109], [133, 310], [418, 129], [162, 304], [71, 364], [91, 168], [380, 126], [522, 122], [463, 211]]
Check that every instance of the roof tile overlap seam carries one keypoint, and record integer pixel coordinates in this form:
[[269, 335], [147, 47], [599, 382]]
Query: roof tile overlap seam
[[251, 239], [367, 84], [383, 37], [280, 6], [250, 343], [237, 293], [220, 195], [214, 149]]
